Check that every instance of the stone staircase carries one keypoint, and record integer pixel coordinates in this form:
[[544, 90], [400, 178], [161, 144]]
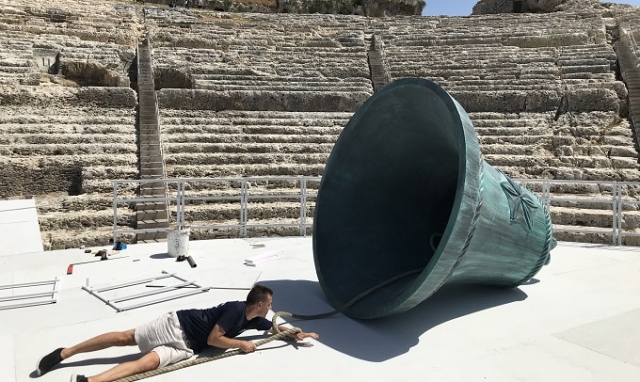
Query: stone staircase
[[150, 215], [631, 75], [379, 74]]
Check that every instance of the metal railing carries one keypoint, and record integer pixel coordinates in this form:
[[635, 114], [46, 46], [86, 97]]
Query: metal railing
[[180, 199], [613, 199]]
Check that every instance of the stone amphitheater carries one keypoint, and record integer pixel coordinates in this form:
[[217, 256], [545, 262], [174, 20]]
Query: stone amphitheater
[[92, 92]]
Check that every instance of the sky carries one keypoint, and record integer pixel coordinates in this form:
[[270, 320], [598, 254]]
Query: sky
[[463, 7]]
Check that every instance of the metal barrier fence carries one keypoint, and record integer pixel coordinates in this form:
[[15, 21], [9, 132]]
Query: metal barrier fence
[[614, 196], [180, 198]]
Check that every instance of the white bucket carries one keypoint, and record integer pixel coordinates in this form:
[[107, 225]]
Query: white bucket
[[178, 242]]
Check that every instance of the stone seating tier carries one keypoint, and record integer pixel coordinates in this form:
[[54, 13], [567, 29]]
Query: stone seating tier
[[174, 149], [35, 138], [244, 118], [226, 212], [548, 40], [251, 160], [251, 142], [284, 86], [235, 171], [242, 79], [270, 53], [334, 70], [86, 220], [579, 162], [88, 237], [69, 149], [52, 203], [578, 100], [571, 173], [199, 99]]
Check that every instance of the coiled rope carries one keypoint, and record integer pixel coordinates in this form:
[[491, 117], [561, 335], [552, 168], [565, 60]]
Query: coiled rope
[[199, 360], [280, 335]]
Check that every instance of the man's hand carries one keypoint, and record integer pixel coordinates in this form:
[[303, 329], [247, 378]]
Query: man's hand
[[247, 346], [301, 336]]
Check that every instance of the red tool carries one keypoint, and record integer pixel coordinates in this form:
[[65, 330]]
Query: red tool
[[70, 269]]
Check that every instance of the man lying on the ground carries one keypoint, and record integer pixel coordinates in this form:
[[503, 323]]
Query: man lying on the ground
[[176, 336]]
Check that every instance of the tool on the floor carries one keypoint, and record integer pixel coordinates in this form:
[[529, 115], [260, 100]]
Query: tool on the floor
[[118, 245], [102, 253], [70, 267], [189, 259]]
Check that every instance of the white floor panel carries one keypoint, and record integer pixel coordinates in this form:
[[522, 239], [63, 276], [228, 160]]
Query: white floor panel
[[575, 321]]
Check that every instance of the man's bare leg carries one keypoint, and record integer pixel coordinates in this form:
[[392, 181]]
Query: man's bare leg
[[103, 341], [149, 361], [100, 342]]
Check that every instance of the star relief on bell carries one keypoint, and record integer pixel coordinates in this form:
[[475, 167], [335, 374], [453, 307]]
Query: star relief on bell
[[522, 206]]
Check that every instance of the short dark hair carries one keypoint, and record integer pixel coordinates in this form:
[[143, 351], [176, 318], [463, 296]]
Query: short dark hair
[[258, 293]]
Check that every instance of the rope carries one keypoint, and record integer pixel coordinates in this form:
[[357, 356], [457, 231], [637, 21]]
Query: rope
[[345, 306], [280, 335], [200, 360]]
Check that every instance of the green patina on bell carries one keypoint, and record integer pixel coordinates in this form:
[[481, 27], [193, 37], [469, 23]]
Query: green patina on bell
[[407, 200]]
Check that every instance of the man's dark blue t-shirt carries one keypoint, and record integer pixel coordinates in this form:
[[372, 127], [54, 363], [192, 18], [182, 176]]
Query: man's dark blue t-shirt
[[197, 324]]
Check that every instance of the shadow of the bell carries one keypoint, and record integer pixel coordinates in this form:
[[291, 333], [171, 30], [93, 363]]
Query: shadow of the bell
[[384, 338]]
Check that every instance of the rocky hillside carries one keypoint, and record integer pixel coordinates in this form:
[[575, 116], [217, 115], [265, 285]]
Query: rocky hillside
[[484, 7]]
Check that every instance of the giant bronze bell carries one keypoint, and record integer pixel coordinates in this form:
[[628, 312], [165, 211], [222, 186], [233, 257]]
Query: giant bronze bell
[[407, 203]]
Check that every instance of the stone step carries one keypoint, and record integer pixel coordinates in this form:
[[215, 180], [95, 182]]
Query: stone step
[[9, 138], [233, 171], [237, 148], [257, 209], [85, 220], [51, 204], [570, 173], [144, 172], [257, 132], [148, 224], [96, 237], [584, 162], [151, 237], [288, 86], [237, 79], [67, 149], [226, 159]]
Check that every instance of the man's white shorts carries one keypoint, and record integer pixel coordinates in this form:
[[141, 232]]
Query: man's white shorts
[[165, 337]]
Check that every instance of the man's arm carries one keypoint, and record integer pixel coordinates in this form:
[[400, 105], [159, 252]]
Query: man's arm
[[216, 338], [295, 336]]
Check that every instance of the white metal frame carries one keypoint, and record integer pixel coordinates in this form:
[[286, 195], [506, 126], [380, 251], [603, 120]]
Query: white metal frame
[[616, 203], [114, 302], [27, 296]]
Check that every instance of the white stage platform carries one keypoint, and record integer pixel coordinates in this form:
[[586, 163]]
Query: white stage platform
[[578, 320]]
